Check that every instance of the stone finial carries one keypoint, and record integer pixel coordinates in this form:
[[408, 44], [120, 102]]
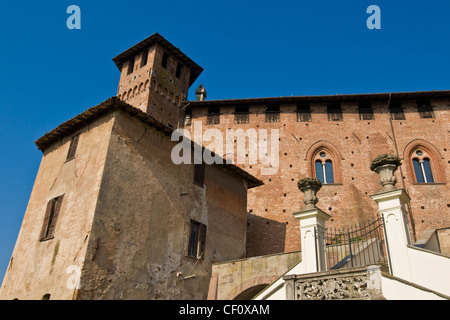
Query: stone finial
[[385, 165], [200, 93], [310, 187]]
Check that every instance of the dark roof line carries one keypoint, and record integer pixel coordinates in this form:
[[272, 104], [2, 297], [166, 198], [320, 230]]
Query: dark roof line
[[156, 38], [360, 97], [112, 104]]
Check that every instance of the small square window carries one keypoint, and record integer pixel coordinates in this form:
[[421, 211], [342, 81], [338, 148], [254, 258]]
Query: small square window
[[334, 112], [273, 113], [396, 110], [213, 116], [365, 111], [241, 114], [303, 113], [425, 109]]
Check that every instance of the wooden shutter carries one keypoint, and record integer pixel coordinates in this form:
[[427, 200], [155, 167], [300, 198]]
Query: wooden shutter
[[54, 217], [73, 147], [201, 241], [50, 218], [44, 228]]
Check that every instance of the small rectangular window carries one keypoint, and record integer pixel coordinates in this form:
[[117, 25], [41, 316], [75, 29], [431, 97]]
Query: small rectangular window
[[73, 147], [273, 113], [425, 109], [199, 174], [365, 111], [131, 65], [50, 218], [303, 113], [188, 116], [213, 115], [178, 71], [197, 240], [241, 114], [144, 58], [396, 110], [164, 60], [334, 112]]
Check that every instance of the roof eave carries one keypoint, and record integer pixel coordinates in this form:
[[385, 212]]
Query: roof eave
[[360, 97], [156, 38]]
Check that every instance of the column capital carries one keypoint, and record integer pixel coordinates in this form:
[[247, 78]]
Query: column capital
[[311, 217], [397, 194], [313, 213]]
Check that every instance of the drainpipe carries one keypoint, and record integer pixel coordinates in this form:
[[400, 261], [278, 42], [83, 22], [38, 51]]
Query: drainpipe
[[408, 204]]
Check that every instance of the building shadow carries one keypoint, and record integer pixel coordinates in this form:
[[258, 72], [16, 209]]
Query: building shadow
[[264, 236]]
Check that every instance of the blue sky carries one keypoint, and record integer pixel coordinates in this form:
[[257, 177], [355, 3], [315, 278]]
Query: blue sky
[[248, 49]]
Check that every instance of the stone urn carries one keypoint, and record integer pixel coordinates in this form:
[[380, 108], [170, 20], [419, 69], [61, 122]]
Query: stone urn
[[385, 165], [309, 186]]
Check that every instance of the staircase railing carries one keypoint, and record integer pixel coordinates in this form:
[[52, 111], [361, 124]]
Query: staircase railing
[[356, 246]]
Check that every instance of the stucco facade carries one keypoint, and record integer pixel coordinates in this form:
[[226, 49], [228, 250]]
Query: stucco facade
[[126, 214], [38, 267]]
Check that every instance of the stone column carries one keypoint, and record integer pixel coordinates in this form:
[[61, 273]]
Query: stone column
[[392, 206], [312, 223]]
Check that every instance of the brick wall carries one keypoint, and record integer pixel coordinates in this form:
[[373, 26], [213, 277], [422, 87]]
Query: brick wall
[[153, 88], [353, 144]]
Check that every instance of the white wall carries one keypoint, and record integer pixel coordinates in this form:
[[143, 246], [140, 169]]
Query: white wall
[[429, 269], [393, 289]]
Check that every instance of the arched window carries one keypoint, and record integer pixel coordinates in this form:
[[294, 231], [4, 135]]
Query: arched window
[[424, 162], [324, 168], [422, 167], [324, 162]]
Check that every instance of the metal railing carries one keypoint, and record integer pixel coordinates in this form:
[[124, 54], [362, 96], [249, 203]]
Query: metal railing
[[356, 246]]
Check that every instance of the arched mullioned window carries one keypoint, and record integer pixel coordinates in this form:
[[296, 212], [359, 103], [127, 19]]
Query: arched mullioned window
[[422, 167], [424, 162], [324, 159], [324, 167]]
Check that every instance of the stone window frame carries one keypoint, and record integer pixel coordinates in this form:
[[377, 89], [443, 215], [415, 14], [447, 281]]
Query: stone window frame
[[429, 152], [331, 153]]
